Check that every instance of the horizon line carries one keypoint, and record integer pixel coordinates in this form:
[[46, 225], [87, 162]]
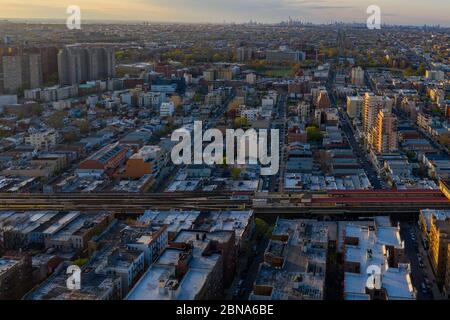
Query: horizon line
[[140, 21]]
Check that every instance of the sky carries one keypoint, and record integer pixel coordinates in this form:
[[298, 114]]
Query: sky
[[406, 12]]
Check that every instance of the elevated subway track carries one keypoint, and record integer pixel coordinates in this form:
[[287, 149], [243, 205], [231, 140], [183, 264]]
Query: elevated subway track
[[312, 203]]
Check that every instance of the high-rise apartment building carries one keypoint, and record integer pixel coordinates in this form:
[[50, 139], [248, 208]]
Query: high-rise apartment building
[[358, 76], [49, 60], [323, 101], [20, 71], [384, 134], [354, 106], [244, 54], [285, 55], [437, 75], [372, 105], [80, 63]]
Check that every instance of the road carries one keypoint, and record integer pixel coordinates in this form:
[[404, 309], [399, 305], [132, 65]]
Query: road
[[275, 183], [419, 274], [359, 152], [248, 277]]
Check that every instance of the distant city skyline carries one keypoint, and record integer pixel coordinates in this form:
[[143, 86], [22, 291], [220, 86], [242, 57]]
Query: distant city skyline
[[402, 12]]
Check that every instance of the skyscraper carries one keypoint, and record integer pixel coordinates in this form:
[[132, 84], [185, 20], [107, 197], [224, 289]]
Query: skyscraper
[[81, 63]]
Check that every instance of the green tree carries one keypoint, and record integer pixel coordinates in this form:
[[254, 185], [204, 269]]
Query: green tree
[[57, 120], [80, 262], [235, 173], [313, 134], [408, 72], [422, 69], [240, 122]]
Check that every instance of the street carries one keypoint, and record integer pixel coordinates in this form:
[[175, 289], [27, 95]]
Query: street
[[421, 272]]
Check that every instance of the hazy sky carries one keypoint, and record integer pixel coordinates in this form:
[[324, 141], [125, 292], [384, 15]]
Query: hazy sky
[[413, 12]]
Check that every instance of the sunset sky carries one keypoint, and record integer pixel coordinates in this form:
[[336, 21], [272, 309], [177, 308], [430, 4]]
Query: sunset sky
[[412, 12]]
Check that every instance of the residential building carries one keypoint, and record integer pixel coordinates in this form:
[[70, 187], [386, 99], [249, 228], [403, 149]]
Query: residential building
[[15, 276], [251, 78], [384, 136], [376, 247], [167, 109], [358, 77], [81, 63], [435, 75], [175, 220], [354, 106], [295, 262], [323, 101], [20, 71], [439, 240], [372, 106], [42, 140], [94, 285], [282, 56], [148, 160], [194, 267]]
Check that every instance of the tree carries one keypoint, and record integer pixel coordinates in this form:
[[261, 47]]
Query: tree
[[70, 137], [313, 134], [37, 110], [262, 228], [57, 120], [235, 173], [422, 69], [411, 154], [240, 122], [198, 97], [80, 262], [83, 125], [408, 72]]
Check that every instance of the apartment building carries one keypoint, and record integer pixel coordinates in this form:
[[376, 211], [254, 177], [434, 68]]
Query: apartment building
[[294, 264], [148, 160], [81, 63], [384, 134], [42, 140], [439, 240], [354, 106], [358, 77], [376, 247], [372, 106]]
